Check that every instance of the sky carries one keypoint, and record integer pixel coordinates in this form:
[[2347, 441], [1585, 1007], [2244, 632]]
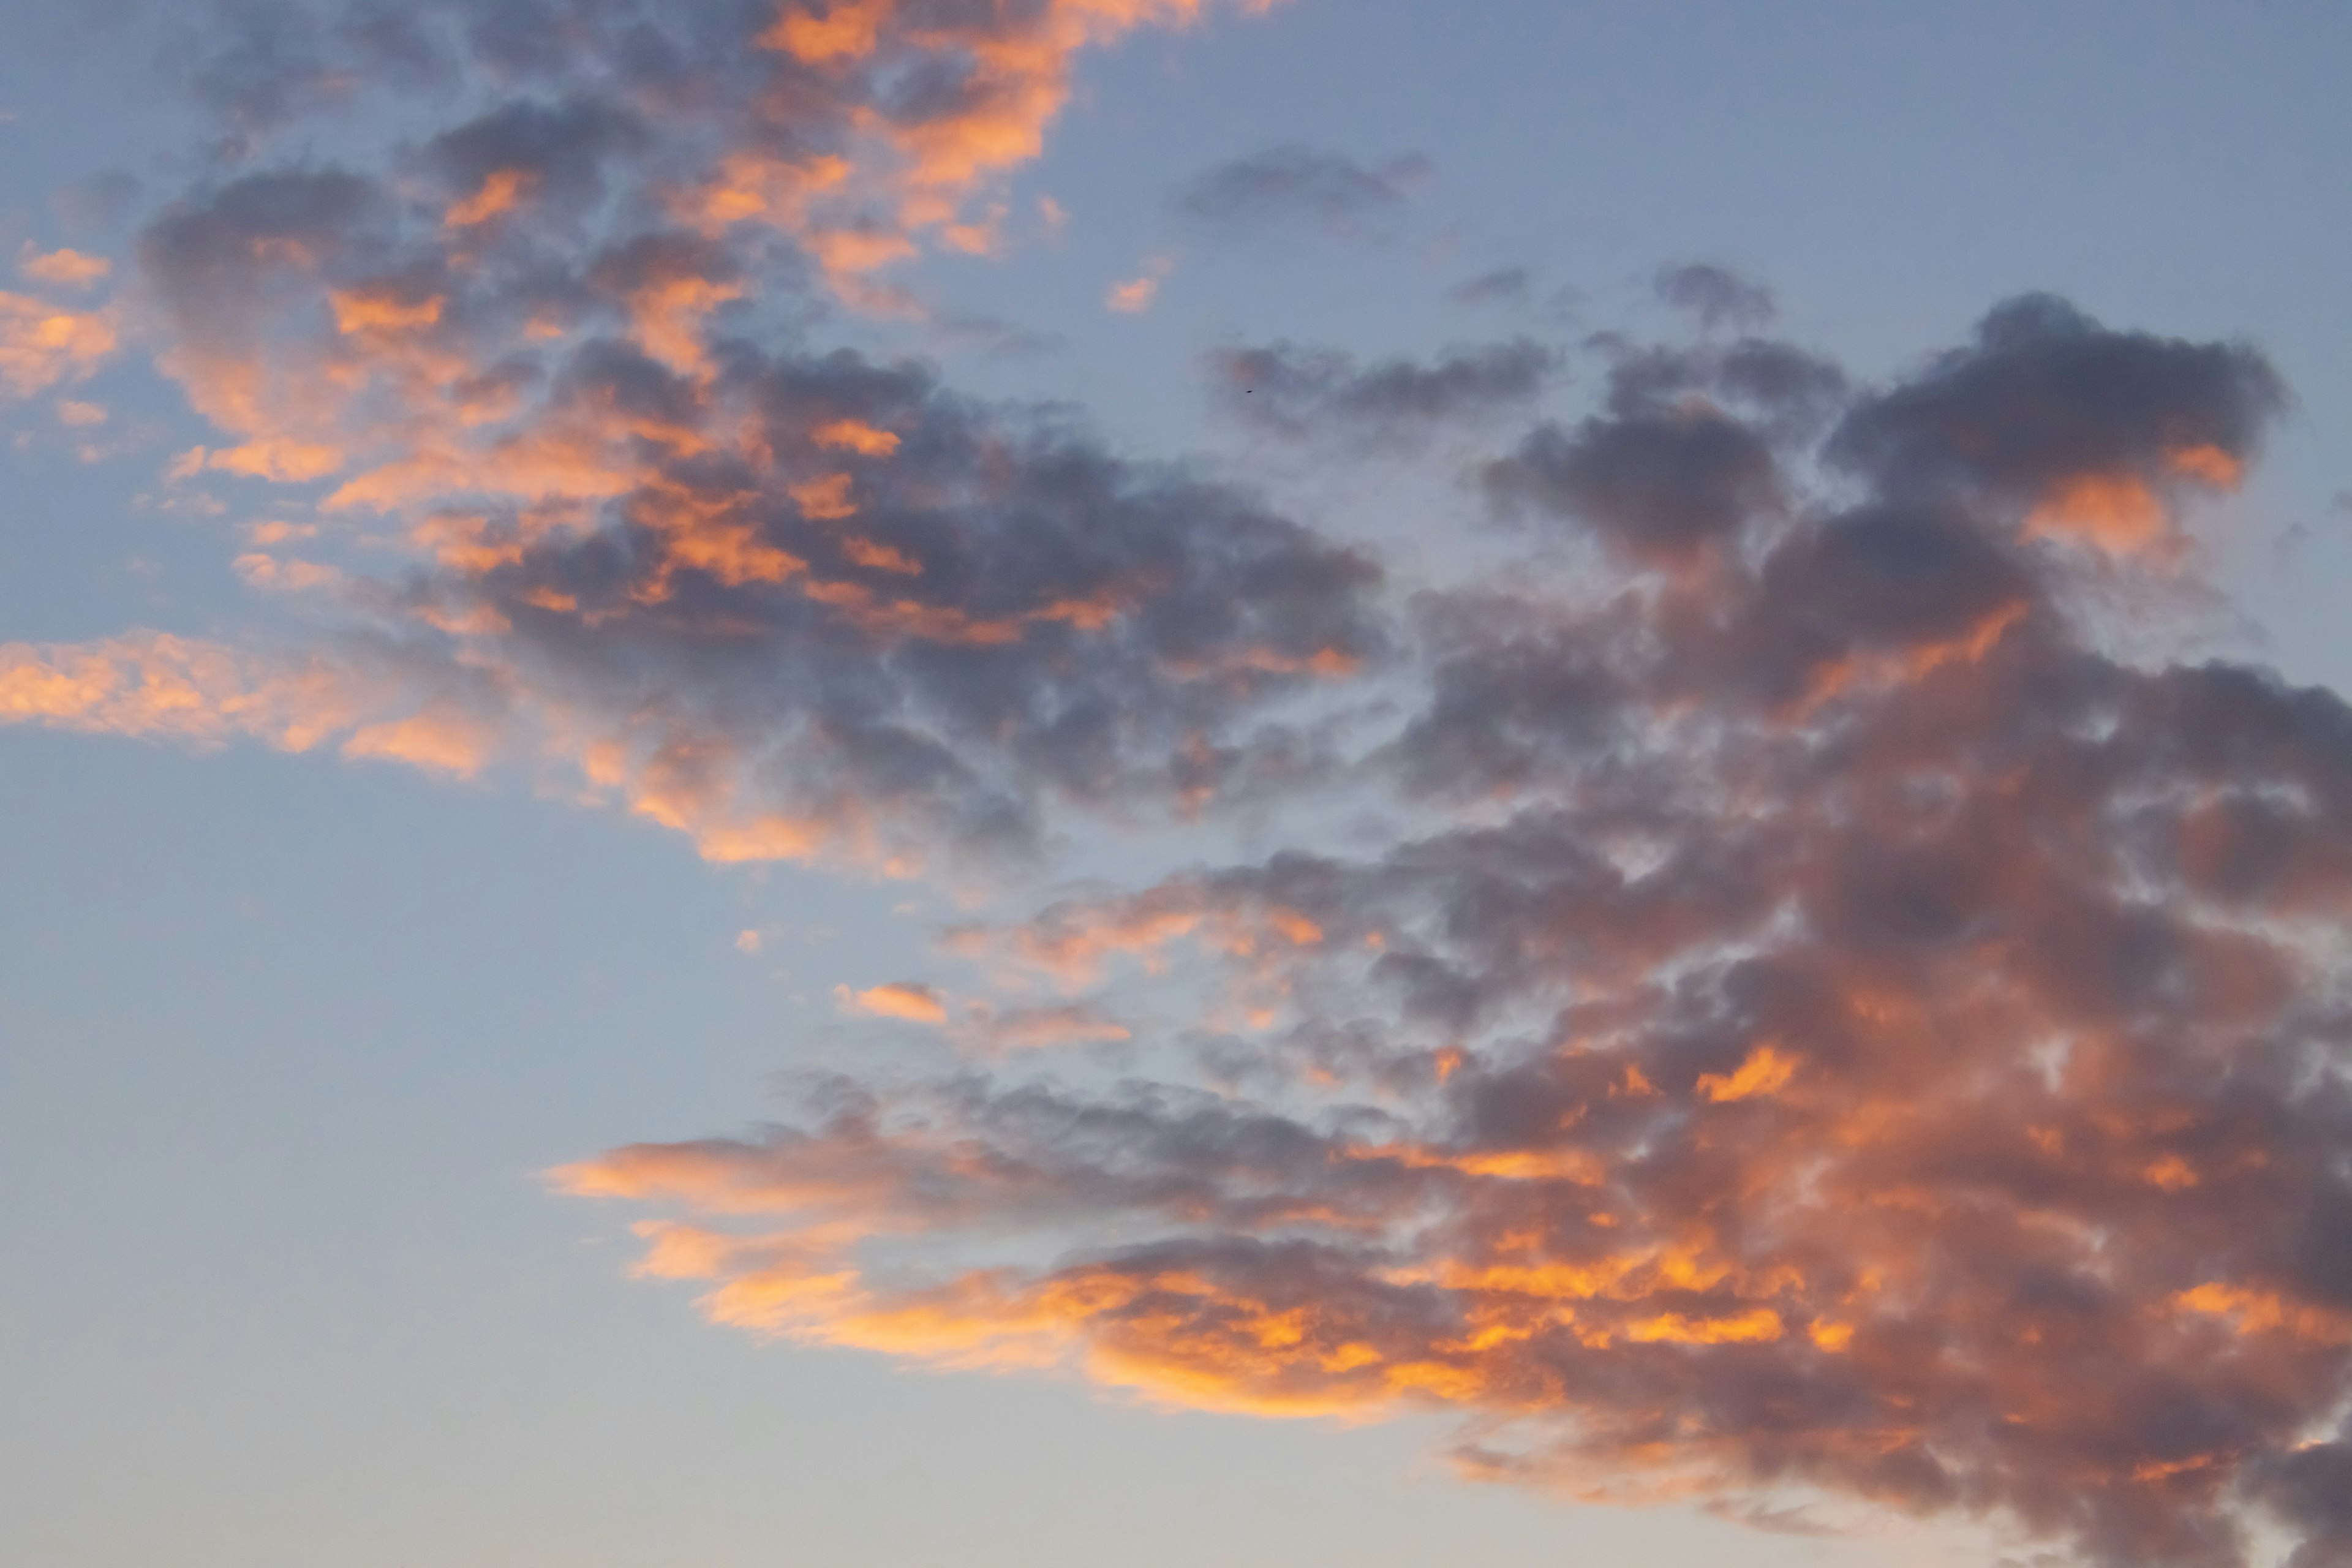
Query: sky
[[1186, 781]]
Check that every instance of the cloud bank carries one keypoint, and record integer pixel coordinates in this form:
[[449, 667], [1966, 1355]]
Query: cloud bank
[[1817, 1023], [1852, 1037]]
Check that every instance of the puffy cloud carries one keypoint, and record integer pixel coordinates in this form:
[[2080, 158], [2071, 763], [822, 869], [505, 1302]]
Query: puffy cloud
[[1717, 295], [1661, 484], [1138, 294], [1818, 1022], [64, 269], [1292, 183], [42, 345], [2085, 431], [1842, 1034], [795, 605], [1295, 393], [152, 686], [932, 620], [905, 1000]]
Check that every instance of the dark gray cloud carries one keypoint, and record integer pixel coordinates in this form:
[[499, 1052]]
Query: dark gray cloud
[[1660, 485], [1297, 392], [558, 150], [1294, 184], [2044, 395]]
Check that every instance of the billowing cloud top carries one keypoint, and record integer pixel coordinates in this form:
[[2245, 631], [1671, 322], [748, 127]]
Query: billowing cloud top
[[1820, 1023]]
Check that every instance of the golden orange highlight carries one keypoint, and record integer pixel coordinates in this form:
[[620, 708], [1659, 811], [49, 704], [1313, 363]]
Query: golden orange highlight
[[371, 310], [880, 557], [152, 686], [1295, 928], [825, 499], [2118, 512], [2208, 465], [1765, 1072], [848, 31], [2257, 1311], [668, 315], [1576, 1166], [441, 741], [1762, 1326], [855, 435], [279, 459], [500, 193], [903, 1000]]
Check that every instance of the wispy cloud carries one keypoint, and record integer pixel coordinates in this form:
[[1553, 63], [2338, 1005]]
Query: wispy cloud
[[1294, 184], [1299, 392]]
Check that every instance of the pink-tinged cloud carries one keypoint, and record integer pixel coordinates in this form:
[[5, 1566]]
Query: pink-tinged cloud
[[1133, 297], [1856, 1038], [1814, 1020], [63, 268], [42, 345], [905, 1000]]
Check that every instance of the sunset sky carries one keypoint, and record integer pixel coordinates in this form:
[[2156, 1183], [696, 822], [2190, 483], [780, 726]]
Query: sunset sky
[[1188, 783]]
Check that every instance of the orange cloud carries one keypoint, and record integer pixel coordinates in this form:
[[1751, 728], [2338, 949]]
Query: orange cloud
[[1765, 1072], [2118, 512], [856, 436], [903, 1000], [501, 192], [150, 685]]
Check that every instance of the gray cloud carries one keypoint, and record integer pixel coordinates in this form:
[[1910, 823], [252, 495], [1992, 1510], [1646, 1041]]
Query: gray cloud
[[1868, 1041], [1505, 285], [1717, 295], [1297, 393], [2044, 395], [1294, 183]]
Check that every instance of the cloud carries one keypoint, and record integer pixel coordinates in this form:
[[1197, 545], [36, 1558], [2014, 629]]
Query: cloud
[[1717, 295], [64, 269], [1138, 294], [152, 686], [42, 345], [995, 1030], [1292, 184], [904, 1000], [2084, 433], [1814, 1019], [1662, 484], [1297, 392], [1506, 285], [1856, 1037], [517, 352]]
